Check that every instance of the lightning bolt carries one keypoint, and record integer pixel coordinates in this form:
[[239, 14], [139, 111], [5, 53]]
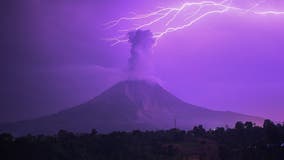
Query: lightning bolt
[[195, 11]]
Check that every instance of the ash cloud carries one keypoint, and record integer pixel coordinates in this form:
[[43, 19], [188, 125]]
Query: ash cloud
[[139, 63]]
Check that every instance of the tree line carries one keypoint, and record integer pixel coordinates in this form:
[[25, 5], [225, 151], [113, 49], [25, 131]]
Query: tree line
[[245, 141]]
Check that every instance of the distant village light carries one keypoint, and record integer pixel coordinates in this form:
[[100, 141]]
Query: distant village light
[[282, 145]]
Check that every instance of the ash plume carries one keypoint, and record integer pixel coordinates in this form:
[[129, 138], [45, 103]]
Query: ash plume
[[139, 63]]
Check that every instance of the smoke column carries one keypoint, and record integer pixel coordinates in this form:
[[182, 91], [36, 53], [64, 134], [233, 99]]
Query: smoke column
[[139, 63]]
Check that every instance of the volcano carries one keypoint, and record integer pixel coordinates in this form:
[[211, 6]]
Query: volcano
[[129, 105]]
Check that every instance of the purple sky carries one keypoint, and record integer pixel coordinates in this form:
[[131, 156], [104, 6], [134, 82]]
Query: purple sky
[[53, 57]]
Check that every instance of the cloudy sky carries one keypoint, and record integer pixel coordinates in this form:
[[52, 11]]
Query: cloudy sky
[[53, 57]]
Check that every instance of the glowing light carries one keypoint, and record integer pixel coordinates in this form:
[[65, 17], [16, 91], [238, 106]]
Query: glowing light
[[195, 11]]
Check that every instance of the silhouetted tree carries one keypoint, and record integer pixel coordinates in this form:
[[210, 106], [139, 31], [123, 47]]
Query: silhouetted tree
[[94, 132], [271, 132], [199, 130], [239, 125], [6, 137], [248, 125], [268, 124]]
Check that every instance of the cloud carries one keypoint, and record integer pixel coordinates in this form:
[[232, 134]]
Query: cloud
[[139, 63]]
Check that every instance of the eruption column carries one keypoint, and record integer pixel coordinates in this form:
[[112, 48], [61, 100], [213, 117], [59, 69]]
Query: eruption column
[[139, 63]]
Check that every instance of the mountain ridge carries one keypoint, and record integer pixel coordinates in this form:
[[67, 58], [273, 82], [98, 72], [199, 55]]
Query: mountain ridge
[[129, 105]]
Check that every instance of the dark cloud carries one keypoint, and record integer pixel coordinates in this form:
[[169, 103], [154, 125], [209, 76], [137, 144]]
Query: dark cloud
[[142, 43]]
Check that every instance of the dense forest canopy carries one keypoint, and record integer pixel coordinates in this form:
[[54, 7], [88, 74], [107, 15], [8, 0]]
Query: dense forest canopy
[[244, 142]]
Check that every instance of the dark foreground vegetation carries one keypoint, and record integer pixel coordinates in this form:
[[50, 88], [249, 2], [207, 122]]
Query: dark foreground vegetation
[[244, 142]]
